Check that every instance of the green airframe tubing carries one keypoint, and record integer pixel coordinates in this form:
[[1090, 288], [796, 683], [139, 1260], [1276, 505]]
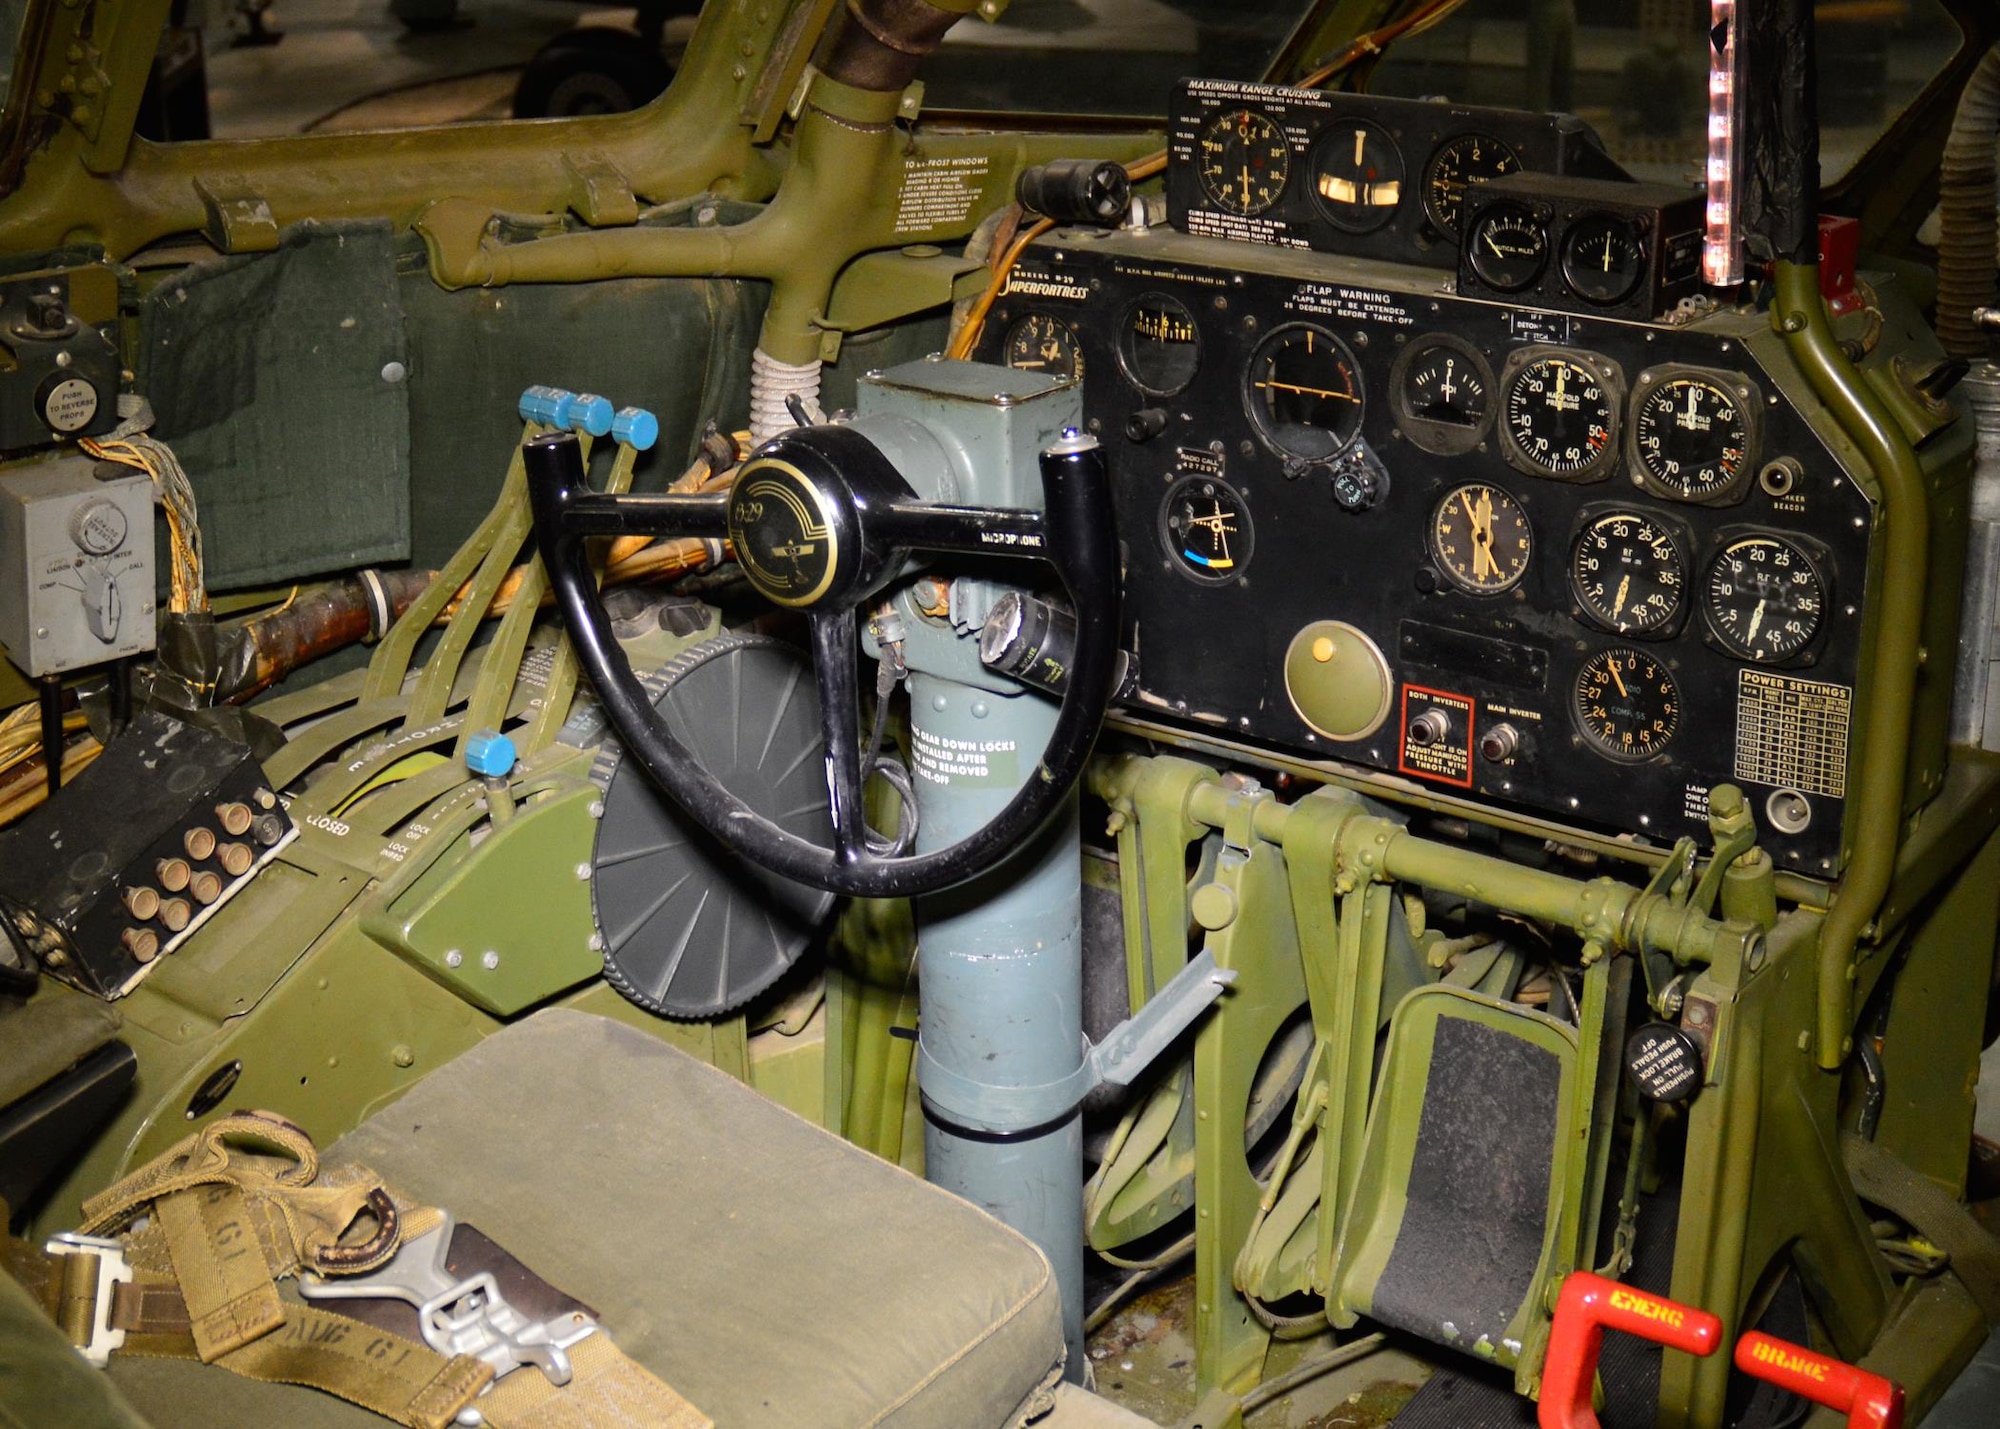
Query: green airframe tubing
[[1799, 314]]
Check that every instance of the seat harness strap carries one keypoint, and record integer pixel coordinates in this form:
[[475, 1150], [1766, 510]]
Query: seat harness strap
[[182, 1259]]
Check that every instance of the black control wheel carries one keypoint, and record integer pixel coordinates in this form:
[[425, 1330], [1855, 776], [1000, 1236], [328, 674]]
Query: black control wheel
[[820, 521]]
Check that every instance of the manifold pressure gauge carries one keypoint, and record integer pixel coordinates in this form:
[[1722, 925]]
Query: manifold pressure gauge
[[1480, 539], [1627, 573], [1560, 415], [1692, 434], [1764, 598], [1243, 159], [1042, 343], [1627, 704], [1206, 529]]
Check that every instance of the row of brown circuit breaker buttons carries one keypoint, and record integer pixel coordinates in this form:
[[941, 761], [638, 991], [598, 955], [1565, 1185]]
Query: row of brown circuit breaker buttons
[[185, 875]]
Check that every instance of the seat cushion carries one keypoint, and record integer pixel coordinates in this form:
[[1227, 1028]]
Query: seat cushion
[[772, 1273]]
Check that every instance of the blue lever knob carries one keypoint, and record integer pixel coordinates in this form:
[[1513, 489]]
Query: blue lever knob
[[547, 406], [591, 414], [490, 753], [636, 427]]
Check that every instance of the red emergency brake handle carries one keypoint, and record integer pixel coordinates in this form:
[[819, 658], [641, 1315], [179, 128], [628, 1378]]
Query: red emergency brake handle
[[1868, 1400], [1588, 1306]]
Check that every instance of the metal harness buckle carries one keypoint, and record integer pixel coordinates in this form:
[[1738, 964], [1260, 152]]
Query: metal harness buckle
[[112, 1269], [460, 1317]]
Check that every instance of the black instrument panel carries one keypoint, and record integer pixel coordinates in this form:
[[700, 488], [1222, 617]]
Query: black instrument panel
[[1583, 567], [1351, 173]]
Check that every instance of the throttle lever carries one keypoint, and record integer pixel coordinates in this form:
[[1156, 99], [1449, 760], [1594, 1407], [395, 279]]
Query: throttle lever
[[1588, 1306]]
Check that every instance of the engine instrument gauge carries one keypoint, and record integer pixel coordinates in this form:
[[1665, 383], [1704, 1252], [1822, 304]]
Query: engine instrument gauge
[[1480, 539], [1508, 247], [1159, 345], [1603, 258], [1763, 598], [1441, 393], [1357, 175], [1468, 159], [1206, 529], [1243, 160], [1041, 343], [1691, 436], [1303, 392], [1561, 416], [1627, 573], [1627, 704]]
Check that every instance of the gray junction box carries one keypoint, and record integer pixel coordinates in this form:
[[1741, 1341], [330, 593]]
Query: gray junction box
[[76, 564]]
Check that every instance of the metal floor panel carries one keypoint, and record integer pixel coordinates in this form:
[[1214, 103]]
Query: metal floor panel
[[1973, 1401]]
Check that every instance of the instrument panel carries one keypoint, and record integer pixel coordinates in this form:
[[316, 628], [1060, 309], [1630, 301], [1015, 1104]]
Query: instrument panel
[[1583, 567], [1351, 173]]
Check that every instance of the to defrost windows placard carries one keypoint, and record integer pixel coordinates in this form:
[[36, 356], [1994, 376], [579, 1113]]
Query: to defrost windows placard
[[1792, 733]]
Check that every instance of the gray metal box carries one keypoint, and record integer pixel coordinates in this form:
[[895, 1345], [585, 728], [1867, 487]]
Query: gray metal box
[[76, 564]]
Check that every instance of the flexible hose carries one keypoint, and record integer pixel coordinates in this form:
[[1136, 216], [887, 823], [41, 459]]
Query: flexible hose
[[1967, 192], [771, 383]]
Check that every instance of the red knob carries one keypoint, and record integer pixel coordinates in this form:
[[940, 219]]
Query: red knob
[[1588, 1306], [1868, 1400]]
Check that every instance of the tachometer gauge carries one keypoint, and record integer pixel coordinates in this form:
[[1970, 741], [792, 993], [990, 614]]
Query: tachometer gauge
[[1357, 176], [1509, 248], [1561, 416], [1468, 159], [1206, 529], [1627, 573], [1692, 435], [1041, 343], [1603, 258], [1480, 539], [1763, 598], [1627, 704], [1303, 392], [1243, 159], [1160, 345], [1441, 392]]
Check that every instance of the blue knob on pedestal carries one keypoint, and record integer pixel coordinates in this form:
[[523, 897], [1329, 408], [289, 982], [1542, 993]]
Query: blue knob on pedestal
[[636, 428], [490, 753], [591, 413], [547, 406]]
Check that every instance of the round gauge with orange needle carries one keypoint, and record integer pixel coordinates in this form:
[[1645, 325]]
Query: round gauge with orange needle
[[1627, 704], [1303, 392], [1243, 160], [1481, 539]]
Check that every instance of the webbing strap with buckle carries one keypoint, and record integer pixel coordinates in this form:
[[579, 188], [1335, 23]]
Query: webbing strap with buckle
[[213, 1231]]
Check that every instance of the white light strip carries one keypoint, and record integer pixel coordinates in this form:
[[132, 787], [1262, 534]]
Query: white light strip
[[1722, 249]]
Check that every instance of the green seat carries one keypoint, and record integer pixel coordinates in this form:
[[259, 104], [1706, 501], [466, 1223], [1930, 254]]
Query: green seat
[[770, 1272]]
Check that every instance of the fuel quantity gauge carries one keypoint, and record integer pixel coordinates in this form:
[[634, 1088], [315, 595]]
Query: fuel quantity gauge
[[1441, 394], [1206, 529]]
